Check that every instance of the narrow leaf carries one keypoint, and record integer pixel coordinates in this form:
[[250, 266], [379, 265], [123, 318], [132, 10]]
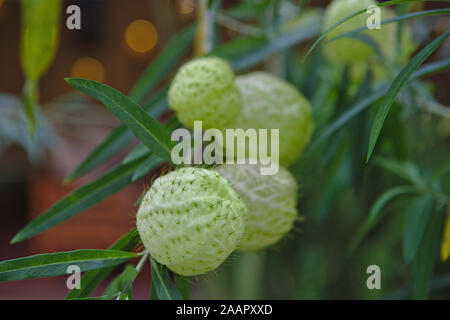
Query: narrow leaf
[[396, 85], [395, 19], [117, 139], [406, 170], [122, 283], [354, 14], [433, 67], [39, 38], [40, 32], [375, 212], [184, 286], [427, 255], [165, 289], [281, 42], [416, 224], [93, 278], [149, 164], [348, 115], [152, 133], [55, 264], [81, 199]]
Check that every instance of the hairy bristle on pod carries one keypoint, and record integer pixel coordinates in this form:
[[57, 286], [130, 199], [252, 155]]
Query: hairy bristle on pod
[[204, 90], [190, 220], [269, 102], [271, 202]]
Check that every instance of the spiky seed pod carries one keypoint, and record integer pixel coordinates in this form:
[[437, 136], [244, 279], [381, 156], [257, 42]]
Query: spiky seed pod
[[190, 220], [271, 202], [346, 49], [272, 103], [203, 89]]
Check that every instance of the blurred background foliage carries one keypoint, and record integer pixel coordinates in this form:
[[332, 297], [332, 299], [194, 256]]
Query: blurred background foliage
[[390, 212]]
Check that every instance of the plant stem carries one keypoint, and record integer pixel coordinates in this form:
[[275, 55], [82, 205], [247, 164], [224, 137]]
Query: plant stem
[[238, 26], [204, 37], [142, 261]]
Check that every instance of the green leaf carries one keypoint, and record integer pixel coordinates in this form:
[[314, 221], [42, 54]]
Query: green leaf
[[81, 199], [406, 170], [432, 68], [416, 223], [122, 284], [153, 295], [237, 48], [152, 133], [55, 264], [396, 85], [93, 278], [375, 211], [348, 115], [30, 97], [39, 38], [40, 32], [427, 254], [117, 139], [184, 286], [165, 289], [163, 63], [395, 19], [354, 14], [149, 164], [279, 43]]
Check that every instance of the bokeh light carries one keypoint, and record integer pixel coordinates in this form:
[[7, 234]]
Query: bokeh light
[[141, 36], [88, 68]]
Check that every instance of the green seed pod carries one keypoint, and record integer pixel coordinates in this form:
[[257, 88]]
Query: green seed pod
[[348, 50], [389, 49], [203, 89], [272, 103], [190, 220], [271, 203]]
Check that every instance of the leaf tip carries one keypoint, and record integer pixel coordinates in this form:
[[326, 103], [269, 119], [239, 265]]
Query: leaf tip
[[17, 238], [69, 179]]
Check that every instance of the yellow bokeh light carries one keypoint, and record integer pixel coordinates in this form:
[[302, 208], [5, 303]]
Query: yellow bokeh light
[[88, 68], [1, 2], [141, 36]]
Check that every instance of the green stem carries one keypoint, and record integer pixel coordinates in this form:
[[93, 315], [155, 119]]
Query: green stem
[[142, 261], [30, 99]]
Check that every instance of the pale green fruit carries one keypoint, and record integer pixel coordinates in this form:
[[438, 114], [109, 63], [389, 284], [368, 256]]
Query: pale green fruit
[[190, 220], [389, 48], [346, 49], [269, 102], [271, 202], [204, 90]]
